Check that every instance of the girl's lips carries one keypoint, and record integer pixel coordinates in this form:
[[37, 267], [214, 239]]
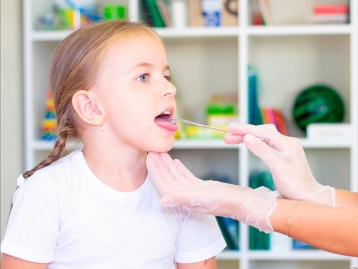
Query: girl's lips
[[166, 125]]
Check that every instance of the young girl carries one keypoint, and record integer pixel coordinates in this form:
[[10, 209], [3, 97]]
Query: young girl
[[96, 207]]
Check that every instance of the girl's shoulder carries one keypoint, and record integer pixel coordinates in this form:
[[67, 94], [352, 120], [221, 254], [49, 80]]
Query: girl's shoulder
[[59, 174]]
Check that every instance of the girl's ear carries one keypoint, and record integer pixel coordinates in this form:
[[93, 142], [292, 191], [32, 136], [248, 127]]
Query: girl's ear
[[84, 103]]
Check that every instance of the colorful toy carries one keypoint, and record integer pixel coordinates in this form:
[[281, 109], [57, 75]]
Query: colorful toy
[[49, 124], [114, 12], [317, 103], [220, 111]]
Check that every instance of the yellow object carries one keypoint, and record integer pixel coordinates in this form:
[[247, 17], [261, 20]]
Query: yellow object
[[196, 132]]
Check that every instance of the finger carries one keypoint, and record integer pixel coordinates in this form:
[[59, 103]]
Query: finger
[[185, 172], [271, 127], [275, 139], [160, 175], [233, 139], [258, 147], [174, 171], [176, 198]]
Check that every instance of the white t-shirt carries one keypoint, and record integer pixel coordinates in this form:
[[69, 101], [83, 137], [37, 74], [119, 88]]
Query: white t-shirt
[[65, 216]]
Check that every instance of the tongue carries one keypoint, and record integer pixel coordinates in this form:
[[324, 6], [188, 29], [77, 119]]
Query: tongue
[[165, 124]]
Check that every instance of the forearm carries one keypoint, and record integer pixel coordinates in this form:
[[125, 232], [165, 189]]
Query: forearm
[[327, 228], [346, 198]]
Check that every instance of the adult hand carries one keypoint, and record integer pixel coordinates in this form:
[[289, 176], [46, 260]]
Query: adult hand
[[286, 160], [179, 186]]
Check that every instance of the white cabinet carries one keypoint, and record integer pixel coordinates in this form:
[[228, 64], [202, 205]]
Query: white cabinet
[[204, 61]]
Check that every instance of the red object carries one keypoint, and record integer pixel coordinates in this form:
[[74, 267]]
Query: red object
[[256, 19], [280, 122], [330, 9]]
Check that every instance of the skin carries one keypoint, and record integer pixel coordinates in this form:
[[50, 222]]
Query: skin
[[131, 89], [332, 229], [329, 228]]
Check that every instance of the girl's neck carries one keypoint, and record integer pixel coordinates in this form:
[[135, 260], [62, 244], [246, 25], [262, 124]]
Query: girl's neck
[[121, 169]]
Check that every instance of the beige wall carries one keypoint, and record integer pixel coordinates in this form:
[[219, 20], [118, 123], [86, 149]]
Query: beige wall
[[11, 102]]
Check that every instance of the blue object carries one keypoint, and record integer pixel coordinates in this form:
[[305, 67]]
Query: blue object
[[254, 110], [84, 12], [300, 245]]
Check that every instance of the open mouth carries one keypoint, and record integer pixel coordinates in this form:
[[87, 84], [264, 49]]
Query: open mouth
[[163, 116], [163, 121]]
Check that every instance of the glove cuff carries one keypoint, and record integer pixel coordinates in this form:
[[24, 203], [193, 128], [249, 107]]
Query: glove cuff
[[325, 195], [261, 205]]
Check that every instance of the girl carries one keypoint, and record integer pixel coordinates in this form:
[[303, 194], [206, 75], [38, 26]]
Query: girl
[[96, 207]]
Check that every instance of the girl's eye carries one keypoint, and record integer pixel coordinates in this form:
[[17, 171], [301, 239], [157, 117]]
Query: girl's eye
[[143, 78], [167, 78]]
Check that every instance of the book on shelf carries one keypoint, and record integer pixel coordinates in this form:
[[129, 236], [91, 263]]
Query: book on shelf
[[230, 231], [163, 8], [260, 240], [265, 12], [264, 115], [273, 116], [229, 227], [151, 13], [330, 9], [296, 245], [329, 13], [254, 112]]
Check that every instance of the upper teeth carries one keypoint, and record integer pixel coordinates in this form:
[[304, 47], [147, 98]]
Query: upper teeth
[[167, 112]]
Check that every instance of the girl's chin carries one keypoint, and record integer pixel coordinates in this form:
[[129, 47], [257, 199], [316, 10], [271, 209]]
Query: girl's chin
[[165, 146]]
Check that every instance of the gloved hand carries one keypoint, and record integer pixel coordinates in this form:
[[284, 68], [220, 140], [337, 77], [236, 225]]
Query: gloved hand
[[286, 160], [179, 186]]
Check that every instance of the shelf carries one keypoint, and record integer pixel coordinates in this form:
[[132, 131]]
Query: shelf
[[50, 35], [299, 30], [202, 144], [325, 143], [214, 144], [229, 255], [302, 255], [200, 32], [41, 145]]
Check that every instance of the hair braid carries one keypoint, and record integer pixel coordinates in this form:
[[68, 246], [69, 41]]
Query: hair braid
[[53, 156]]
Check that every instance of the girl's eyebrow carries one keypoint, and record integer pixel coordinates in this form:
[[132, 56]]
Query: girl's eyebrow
[[147, 65]]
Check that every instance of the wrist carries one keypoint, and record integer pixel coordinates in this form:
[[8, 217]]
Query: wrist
[[281, 215]]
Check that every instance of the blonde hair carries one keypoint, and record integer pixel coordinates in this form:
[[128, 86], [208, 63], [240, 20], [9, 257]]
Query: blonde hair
[[74, 67]]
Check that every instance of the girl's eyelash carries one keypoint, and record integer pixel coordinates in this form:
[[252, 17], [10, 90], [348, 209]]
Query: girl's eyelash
[[168, 77]]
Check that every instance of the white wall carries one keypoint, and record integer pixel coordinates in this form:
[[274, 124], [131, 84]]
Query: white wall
[[11, 102]]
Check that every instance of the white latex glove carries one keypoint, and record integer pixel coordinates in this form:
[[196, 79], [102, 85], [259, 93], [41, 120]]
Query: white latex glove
[[179, 186], [286, 160]]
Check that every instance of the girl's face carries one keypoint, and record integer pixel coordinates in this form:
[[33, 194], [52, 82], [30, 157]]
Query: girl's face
[[136, 95]]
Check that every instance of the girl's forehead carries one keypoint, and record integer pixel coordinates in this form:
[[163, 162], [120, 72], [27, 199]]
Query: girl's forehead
[[135, 49], [139, 45]]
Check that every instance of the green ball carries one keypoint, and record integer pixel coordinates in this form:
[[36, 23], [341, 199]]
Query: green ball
[[317, 103]]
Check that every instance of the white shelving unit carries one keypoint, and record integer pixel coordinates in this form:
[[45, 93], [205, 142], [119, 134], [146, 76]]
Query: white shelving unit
[[210, 60]]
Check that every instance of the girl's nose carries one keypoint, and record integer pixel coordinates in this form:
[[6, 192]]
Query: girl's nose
[[169, 90]]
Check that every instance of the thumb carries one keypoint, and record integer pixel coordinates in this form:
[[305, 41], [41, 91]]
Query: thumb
[[258, 147], [176, 198]]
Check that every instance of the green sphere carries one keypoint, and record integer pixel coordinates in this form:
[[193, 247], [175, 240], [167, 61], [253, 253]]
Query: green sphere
[[317, 103]]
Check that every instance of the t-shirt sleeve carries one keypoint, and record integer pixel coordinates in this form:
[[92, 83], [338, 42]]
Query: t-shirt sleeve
[[199, 239], [33, 226]]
